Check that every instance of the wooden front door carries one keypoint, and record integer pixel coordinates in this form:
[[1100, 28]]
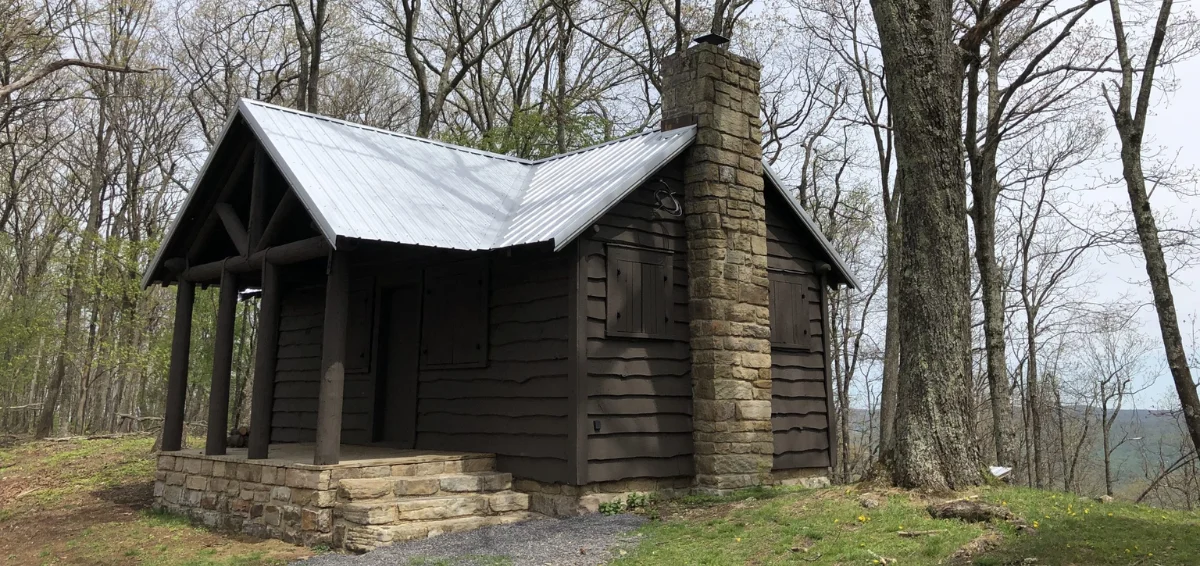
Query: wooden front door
[[396, 398]]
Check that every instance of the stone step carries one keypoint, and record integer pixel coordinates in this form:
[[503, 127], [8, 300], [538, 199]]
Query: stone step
[[403, 509], [361, 538], [373, 489]]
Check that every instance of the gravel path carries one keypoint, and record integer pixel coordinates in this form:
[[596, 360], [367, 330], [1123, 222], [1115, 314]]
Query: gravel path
[[531, 543]]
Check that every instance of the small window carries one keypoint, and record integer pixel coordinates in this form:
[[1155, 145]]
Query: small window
[[639, 293], [791, 301], [454, 329]]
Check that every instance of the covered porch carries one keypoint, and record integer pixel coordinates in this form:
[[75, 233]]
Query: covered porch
[[245, 227]]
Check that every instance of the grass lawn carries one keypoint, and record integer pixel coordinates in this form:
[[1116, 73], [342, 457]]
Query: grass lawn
[[88, 502], [831, 527]]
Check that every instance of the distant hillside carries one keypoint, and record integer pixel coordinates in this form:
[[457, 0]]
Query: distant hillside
[[1147, 434]]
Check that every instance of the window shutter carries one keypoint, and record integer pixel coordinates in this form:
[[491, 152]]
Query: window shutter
[[791, 310], [639, 292], [454, 328]]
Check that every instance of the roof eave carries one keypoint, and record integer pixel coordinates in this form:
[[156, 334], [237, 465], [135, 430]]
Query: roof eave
[[155, 264], [276, 157], [835, 259]]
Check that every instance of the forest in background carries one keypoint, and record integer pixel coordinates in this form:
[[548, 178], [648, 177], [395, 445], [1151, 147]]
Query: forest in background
[[107, 110]]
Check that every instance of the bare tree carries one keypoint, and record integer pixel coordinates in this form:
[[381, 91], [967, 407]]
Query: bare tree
[[1129, 111]]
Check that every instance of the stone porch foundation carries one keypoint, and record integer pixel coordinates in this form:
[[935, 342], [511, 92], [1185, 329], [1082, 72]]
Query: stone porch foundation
[[560, 500], [355, 505], [359, 505]]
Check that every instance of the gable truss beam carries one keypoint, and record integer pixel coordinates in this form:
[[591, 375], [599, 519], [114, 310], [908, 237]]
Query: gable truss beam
[[210, 223], [278, 221], [293, 252], [258, 198], [233, 226]]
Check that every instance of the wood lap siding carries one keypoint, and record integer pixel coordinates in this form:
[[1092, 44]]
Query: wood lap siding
[[799, 403], [638, 389], [298, 372], [516, 406]]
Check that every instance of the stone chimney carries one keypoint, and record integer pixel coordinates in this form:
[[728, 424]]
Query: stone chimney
[[727, 262]]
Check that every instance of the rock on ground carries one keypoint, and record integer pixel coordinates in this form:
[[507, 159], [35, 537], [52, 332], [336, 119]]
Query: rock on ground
[[969, 511], [577, 541]]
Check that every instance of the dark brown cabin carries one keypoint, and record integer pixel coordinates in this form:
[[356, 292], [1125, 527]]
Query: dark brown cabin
[[420, 295]]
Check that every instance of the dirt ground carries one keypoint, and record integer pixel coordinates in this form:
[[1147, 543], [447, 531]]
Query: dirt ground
[[88, 502]]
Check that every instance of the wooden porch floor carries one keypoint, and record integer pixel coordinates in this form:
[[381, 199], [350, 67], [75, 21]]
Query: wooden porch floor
[[300, 455]]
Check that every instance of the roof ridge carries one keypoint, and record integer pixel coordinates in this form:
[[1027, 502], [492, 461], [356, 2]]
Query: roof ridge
[[356, 125], [596, 146]]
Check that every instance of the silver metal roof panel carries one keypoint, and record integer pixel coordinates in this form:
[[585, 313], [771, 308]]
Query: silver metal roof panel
[[371, 184]]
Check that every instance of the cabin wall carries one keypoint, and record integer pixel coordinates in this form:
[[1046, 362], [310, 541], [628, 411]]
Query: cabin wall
[[514, 406], [298, 367], [639, 390], [800, 401]]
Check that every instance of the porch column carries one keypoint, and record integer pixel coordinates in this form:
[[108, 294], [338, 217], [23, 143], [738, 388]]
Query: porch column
[[262, 397], [172, 435], [333, 358], [218, 399]]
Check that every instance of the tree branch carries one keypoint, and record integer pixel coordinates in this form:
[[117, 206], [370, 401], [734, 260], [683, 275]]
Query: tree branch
[[62, 64]]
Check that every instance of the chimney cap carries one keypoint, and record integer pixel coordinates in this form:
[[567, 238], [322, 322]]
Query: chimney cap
[[712, 39]]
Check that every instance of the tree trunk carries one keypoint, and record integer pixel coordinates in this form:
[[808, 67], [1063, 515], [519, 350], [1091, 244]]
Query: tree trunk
[[1035, 405], [1106, 433], [925, 73], [1130, 121], [891, 350]]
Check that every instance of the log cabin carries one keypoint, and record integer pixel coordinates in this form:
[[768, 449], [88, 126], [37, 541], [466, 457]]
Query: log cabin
[[644, 314]]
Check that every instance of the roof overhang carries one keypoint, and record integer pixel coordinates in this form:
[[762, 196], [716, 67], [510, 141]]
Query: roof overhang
[[838, 266]]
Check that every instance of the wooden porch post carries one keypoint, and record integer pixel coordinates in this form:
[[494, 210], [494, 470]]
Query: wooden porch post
[[172, 435], [264, 363], [218, 399], [333, 358]]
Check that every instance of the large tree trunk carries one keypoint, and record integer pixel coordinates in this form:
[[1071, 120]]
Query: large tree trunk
[[891, 349], [925, 73]]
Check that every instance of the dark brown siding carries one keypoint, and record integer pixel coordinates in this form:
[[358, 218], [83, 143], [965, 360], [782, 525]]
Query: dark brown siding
[[639, 390], [516, 406], [298, 368], [799, 404]]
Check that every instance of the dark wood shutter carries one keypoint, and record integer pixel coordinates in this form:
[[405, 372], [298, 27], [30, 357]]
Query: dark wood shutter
[[454, 330], [791, 309], [639, 284]]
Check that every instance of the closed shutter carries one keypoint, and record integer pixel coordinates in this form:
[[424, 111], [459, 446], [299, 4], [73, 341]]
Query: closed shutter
[[791, 306], [639, 284], [454, 329]]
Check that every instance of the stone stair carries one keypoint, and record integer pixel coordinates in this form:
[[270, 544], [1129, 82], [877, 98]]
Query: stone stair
[[445, 497]]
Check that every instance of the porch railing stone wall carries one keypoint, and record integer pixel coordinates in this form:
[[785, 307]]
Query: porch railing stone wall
[[262, 500]]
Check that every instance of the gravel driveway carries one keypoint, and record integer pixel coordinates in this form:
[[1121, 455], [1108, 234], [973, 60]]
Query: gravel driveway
[[577, 541]]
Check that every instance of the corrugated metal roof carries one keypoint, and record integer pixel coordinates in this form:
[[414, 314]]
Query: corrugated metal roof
[[569, 192], [371, 184]]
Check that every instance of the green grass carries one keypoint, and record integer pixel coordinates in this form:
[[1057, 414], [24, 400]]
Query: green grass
[[1073, 530], [86, 502], [831, 527]]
